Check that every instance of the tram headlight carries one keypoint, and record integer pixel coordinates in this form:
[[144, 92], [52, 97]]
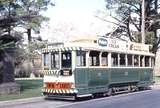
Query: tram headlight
[[72, 85], [44, 85]]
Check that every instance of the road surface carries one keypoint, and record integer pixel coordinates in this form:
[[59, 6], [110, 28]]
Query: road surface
[[142, 99]]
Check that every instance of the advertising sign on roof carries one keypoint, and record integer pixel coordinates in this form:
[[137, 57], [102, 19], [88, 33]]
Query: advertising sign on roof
[[139, 47], [112, 44], [120, 45], [102, 42]]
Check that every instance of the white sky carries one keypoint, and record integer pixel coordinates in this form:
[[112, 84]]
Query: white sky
[[75, 18]]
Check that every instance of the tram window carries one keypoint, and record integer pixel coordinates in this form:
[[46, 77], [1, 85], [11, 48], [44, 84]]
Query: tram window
[[94, 58], [147, 61], [152, 62], [46, 59], [54, 60], [104, 59], [136, 60], [129, 58], [66, 59], [122, 60], [114, 59], [81, 58], [141, 61]]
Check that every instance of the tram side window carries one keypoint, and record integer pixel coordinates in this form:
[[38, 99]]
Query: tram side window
[[147, 61], [94, 58], [114, 59], [54, 60], [66, 59], [152, 62], [46, 60], [129, 58], [81, 58], [104, 59], [141, 61], [122, 60], [136, 60]]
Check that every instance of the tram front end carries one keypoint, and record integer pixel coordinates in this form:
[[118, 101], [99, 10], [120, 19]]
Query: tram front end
[[58, 81]]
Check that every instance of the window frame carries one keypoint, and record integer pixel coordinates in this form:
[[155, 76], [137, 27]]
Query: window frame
[[53, 65], [94, 61], [136, 60], [120, 64], [105, 56], [66, 60], [114, 60], [83, 61], [147, 64], [46, 62]]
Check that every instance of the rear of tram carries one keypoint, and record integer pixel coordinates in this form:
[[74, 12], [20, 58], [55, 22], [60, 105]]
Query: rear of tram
[[58, 67]]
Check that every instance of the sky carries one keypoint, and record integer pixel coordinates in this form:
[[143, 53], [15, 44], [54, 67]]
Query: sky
[[70, 18]]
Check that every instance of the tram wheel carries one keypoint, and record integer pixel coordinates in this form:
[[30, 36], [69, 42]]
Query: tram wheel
[[109, 93], [75, 98]]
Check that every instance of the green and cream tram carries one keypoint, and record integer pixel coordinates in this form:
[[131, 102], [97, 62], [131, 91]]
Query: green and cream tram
[[90, 66]]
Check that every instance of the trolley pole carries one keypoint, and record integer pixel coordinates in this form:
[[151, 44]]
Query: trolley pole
[[143, 22]]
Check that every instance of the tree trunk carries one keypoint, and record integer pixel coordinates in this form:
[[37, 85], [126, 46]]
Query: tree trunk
[[8, 66]]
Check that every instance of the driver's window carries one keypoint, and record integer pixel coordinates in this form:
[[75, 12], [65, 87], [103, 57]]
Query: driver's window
[[66, 59]]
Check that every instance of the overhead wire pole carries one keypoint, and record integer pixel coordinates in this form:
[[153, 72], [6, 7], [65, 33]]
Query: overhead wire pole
[[143, 22]]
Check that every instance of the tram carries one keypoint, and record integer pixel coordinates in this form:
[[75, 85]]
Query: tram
[[99, 65]]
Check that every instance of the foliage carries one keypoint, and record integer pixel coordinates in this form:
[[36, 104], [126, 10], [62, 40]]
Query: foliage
[[23, 13], [35, 47], [128, 13], [149, 37], [123, 9], [24, 54], [18, 14], [15, 16]]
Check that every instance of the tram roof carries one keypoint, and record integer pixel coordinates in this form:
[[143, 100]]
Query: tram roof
[[102, 44]]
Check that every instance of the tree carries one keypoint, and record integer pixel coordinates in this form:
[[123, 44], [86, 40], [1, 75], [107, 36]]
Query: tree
[[23, 13], [15, 15], [123, 13]]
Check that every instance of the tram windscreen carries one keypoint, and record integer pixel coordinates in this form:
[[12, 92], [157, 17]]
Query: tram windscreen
[[55, 61], [66, 59], [46, 59]]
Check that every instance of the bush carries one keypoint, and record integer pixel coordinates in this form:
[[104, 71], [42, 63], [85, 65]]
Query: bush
[[24, 70]]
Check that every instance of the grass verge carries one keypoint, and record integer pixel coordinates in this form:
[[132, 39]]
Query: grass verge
[[29, 88]]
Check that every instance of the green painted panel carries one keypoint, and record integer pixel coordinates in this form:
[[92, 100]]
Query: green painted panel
[[81, 77], [146, 75], [98, 77], [91, 77], [93, 80], [121, 75]]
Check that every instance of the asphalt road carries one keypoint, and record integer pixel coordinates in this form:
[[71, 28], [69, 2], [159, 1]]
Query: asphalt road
[[142, 99]]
